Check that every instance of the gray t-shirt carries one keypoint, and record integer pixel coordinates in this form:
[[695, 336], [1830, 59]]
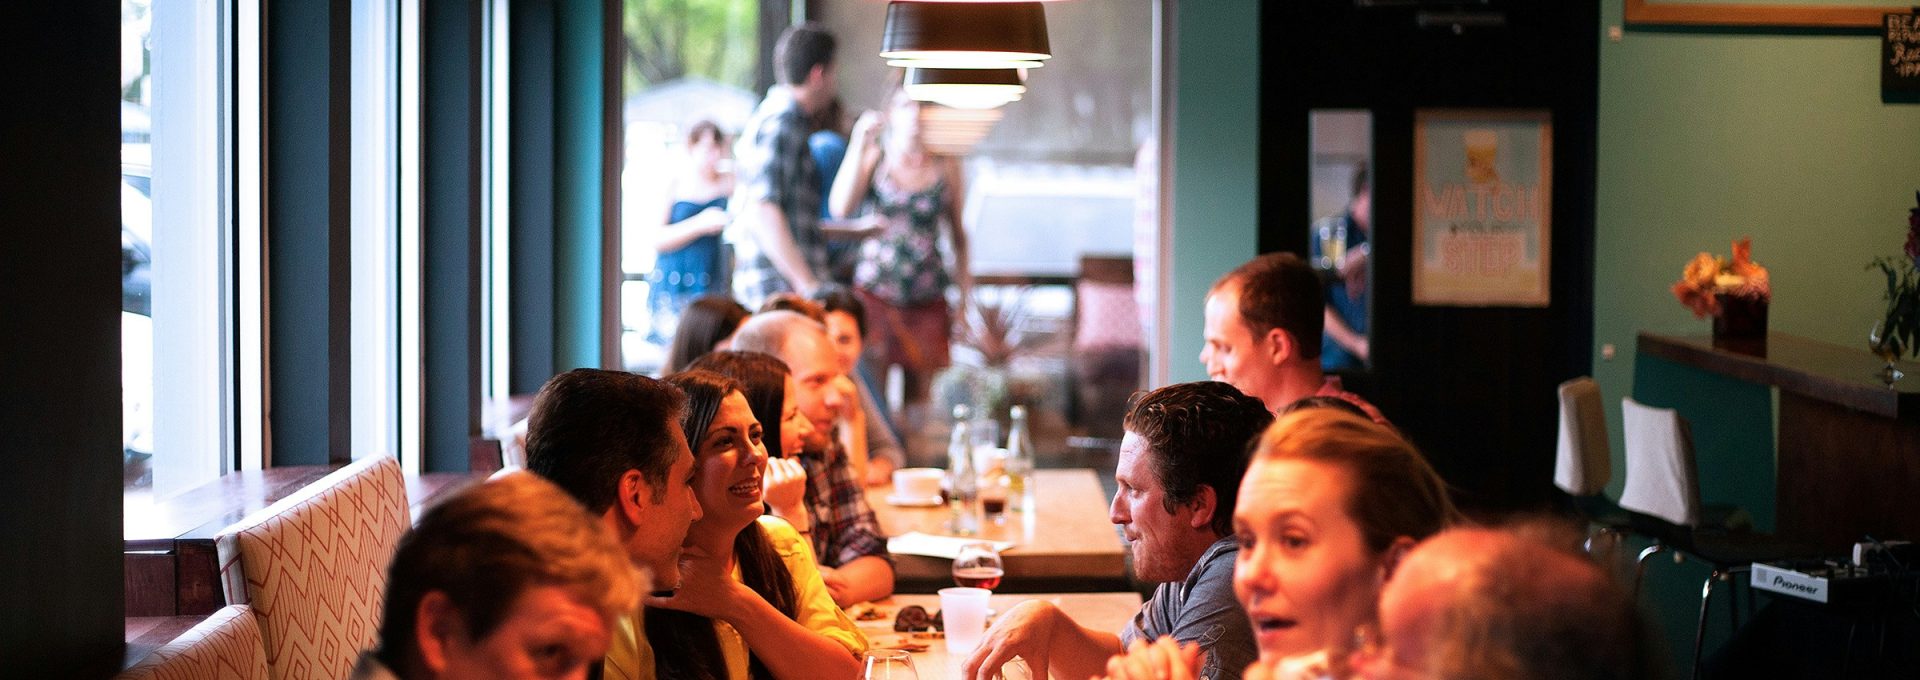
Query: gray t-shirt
[[1202, 610]]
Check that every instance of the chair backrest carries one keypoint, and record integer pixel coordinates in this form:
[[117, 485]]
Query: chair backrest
[[314, 567], [1584, 463], [1661, 480], [226, 646]]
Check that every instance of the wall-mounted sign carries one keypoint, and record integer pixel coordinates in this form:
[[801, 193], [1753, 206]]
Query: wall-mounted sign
[[1482, 207], [1900, 54]]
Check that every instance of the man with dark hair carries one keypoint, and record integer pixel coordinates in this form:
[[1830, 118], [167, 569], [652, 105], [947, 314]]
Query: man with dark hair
[[612, 440], [1181, 460], [506, 579], [1263, 331], [778, 183]]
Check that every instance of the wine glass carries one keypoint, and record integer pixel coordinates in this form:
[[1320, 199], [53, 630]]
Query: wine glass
[[978, 565], [1881, 340], [888, 664]]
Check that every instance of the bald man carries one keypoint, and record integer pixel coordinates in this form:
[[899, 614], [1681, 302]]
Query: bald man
[[1492, 604]]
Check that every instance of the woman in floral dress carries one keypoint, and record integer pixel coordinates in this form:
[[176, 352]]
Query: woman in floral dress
[[902, 275]]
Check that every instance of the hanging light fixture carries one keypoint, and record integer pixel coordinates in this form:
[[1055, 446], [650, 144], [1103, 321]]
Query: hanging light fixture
[[966, 88], [965, 35]]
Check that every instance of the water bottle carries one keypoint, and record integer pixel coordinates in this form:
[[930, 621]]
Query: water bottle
[[963, 484], [1020, 463]]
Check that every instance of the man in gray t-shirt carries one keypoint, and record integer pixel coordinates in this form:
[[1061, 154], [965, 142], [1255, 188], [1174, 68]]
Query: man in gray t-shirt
[[1181, 460]]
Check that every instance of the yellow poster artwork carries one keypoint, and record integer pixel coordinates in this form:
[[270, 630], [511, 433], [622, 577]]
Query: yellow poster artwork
[[1482, 211]]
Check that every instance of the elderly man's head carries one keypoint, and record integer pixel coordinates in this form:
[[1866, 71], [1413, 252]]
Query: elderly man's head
[[1181, 459], [820, 384], [1500, 604], [508, 579]]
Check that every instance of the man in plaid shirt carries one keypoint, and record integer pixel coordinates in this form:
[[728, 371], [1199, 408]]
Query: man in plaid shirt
[[845, 535], [778, 185]]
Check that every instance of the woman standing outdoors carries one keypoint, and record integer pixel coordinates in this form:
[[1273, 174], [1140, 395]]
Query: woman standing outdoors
[[692, 260], [901, 275]]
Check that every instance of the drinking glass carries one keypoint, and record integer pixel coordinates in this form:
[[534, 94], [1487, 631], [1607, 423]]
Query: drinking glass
[[965, 612], [1880, 339], [888, 664], [978, 565]]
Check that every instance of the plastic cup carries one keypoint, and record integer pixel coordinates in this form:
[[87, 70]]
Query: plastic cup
[[965, 612]]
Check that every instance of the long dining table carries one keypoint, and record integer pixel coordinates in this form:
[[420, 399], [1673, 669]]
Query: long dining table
[[1063, 543], [931, 660]]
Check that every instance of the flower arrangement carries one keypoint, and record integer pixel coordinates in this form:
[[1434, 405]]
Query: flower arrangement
[[1707, 279], [1898, 330]]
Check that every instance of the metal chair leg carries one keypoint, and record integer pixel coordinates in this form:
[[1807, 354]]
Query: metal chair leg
[[1700, 632], [1640, 566]]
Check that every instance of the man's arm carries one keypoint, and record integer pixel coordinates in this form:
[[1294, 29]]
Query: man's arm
[[1050, 641], [1355, 343], [863, 580], [776, 242]]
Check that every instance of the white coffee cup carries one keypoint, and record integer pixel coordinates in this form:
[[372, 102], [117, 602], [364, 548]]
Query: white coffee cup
[[917, 483]]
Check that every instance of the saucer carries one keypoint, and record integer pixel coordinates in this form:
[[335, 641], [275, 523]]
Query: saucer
[[913, 502]]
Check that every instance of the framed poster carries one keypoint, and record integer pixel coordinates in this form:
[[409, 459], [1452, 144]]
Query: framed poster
[[1754, 13], [1482, 207]]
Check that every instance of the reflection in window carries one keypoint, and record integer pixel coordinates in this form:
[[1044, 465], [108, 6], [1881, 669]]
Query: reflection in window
[[1342, 223], [172, 236]]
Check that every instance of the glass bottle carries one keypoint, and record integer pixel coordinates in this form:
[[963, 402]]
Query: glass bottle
[[963, 484], [1020, 462]]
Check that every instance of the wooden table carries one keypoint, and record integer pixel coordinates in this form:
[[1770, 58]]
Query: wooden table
[[1848, 460], [1101, 611], [1065, 543]]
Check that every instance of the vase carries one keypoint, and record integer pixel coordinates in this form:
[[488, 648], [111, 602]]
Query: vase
[[1884, 345], [1741, 325]]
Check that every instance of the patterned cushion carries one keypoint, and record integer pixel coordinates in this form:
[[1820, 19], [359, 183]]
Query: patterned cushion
[[226, 646], [314, 567]]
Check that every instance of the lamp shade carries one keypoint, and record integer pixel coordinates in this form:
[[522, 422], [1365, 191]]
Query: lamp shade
[[962, 35], [969, 88]]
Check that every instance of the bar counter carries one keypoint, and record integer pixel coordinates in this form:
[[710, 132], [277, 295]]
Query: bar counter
[[1848, 462]]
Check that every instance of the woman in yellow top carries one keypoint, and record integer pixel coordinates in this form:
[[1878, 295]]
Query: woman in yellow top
[[751, 603]]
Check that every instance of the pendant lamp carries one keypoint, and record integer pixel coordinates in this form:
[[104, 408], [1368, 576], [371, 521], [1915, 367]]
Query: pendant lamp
[[966, 88], [962, 35]]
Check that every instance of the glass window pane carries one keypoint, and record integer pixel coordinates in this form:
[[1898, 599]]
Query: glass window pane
[[173, 237], [686, 63]]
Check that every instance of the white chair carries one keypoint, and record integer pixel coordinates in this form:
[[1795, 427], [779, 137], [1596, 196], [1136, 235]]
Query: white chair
[[1663, 490], [1583, 463]]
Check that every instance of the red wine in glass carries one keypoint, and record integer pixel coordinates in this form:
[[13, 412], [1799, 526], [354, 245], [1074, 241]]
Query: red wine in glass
[[979, 577]]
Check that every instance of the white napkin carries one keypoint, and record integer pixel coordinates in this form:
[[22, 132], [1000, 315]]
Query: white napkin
[[930, 545]]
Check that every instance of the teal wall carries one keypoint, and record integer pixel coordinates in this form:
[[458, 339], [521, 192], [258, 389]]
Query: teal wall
[[1707, 136], [1216, 159]]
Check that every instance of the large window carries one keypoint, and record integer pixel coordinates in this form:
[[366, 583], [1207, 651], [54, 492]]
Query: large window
[[685, 62], [175, 239]]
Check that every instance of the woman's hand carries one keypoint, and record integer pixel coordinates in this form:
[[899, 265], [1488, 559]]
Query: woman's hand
[[710, 221], [1165, 659], [785, 483], [866, 128]]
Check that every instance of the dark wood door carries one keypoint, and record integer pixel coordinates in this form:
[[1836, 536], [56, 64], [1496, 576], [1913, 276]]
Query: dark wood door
[[1473, 387]]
